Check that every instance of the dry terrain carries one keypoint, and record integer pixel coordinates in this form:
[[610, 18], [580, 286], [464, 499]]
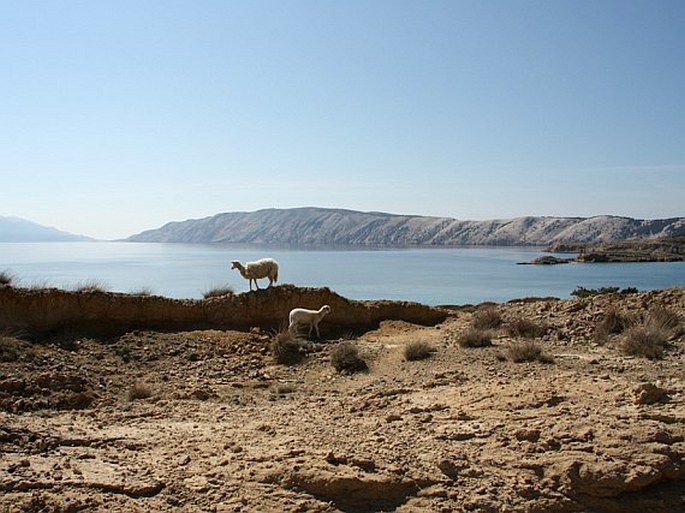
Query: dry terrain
[[207, 421]]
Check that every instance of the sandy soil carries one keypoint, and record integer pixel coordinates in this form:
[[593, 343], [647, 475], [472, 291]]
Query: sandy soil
[[226, 429]]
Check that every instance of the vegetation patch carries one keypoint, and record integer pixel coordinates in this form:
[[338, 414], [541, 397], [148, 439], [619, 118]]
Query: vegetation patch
[[665, 319], [346, 359], [582, 292], [91, 286], [6, 278], [527, 351], [475, 338], [648, 341], [223, 290], [487, 318], [525, 328], [419, 350], [612, 322], [285, 348]]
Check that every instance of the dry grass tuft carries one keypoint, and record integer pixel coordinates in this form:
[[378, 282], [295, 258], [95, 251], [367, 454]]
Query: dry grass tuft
[[143, 291], [648, 341], [91, 286], [475, 338], [526, 329], [139, 391], [419, 350], [285, 348], [224, 290], [527, 351], [487, 318], [665, 319], [6, 278], [345, 359], [612, 323]]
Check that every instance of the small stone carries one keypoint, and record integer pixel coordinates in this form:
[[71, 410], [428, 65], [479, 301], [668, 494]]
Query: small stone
[[648, 393]]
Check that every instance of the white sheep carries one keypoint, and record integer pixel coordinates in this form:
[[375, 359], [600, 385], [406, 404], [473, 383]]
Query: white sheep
[[253, 271], [304, 316]]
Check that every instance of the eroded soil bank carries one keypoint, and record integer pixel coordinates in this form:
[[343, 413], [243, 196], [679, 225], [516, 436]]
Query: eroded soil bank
[[205, 420], [38, 312]]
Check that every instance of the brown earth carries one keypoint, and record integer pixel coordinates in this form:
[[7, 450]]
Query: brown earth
[[206, 421]]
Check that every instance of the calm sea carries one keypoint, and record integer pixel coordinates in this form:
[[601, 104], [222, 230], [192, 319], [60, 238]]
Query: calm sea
[[430, 276]]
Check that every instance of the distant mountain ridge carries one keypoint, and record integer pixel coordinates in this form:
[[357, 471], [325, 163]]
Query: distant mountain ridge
[[322, 226], [16, 229]]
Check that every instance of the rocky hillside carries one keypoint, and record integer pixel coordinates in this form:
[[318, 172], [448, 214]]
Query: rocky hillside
[[209, 421], [313, 226]]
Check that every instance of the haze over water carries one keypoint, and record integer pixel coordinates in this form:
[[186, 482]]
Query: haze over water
[[428, 275]]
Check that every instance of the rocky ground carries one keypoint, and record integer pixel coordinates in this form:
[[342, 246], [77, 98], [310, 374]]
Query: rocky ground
[[206, 421]]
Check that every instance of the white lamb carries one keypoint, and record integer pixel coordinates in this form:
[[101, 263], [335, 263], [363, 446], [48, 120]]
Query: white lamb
[[253, 271], [303, 316]]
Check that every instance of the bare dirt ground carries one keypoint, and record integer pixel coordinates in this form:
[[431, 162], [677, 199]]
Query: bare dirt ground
[[225, 429]]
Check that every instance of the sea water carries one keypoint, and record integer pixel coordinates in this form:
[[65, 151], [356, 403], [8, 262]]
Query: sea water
[[434, 276]]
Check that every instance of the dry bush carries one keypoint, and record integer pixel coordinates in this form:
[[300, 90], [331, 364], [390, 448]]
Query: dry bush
[[223, 290], [527, 351], [285, 348], [665, 319], [648, 341], [526, 329], [475, 338], [487, 318], [345, 358], [419, 350], [612, 323], [6, 278], [91, 286], [139, 391]]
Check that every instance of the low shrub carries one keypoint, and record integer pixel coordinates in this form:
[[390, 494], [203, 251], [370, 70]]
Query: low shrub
[[526, 329], [648, 341], [345, 358], [487, 318], [285, 348], [224, 290], [419, 350], [612, 323], [527, 351], [474, 338], [91, 286], [6, 278], [665, 319], [582, 292]]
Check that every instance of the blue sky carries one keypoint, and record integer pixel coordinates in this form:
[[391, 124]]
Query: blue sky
[[119, 116]]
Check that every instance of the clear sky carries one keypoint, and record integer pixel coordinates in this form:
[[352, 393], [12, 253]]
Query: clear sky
[[119, 116]]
